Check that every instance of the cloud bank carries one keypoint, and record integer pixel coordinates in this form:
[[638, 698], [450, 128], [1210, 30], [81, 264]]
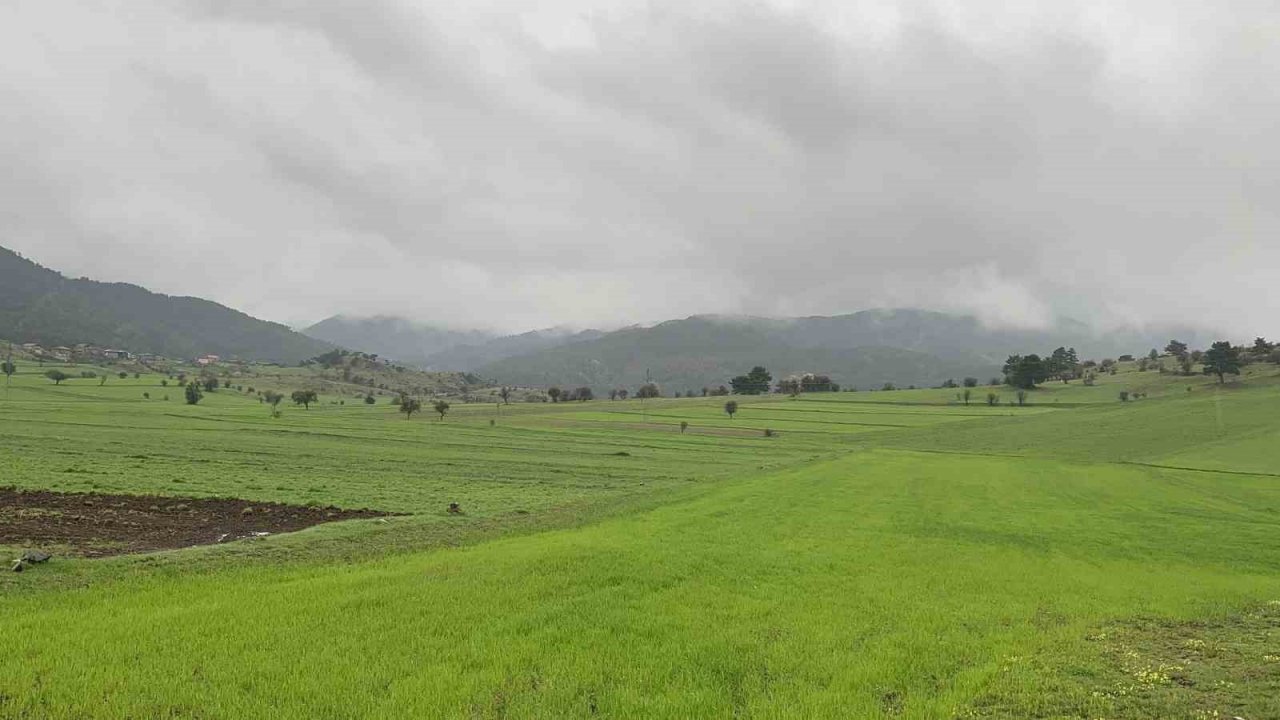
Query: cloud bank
[[501, 165]]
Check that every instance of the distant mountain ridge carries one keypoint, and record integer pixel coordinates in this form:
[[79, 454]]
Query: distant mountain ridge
[[395, 338], [433, 347], [863, 349], [40, 305]]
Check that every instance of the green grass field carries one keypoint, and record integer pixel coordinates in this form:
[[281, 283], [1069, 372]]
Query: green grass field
[[884, 555]]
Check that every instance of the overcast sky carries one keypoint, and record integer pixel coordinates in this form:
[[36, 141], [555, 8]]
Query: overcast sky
[[511, 165]]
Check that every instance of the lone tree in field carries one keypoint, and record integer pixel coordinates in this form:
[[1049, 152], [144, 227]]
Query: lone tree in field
[[505, 394], [583, 394], [684, 425], [441, 407], [1176, 348], [755, 382], [409, 406], [272, 397], [554, 393], [193, 393], [370, 399], [8, 368], [1221, 359], [648, 390], [304, 398], [730, 408], [211, 383], [967, 394], [57, 376], [993, 399]]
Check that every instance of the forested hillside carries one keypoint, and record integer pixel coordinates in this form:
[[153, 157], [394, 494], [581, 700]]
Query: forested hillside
[[40, 305]]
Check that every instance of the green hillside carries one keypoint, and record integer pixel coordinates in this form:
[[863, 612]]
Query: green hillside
[[702, 352], [41, 306]]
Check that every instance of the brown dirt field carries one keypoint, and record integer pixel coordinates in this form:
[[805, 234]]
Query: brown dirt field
[[97, 525]]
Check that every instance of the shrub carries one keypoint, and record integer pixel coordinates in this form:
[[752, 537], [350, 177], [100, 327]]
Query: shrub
[[971, 382], [1124, 396], [768, 432], [993, 399], [684, 425]]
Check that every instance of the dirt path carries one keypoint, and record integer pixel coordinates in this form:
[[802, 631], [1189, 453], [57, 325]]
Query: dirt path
[[97, 525]]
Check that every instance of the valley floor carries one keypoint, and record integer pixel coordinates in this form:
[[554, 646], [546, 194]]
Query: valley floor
[[895, 555]]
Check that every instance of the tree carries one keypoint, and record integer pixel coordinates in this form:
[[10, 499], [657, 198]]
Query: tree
[[613, 394], [370, 399], [967, 394], [409, 406], [1124, 396], [1176, 348], [304, 398], [505, 394], [441, 407], [1025, 372], [1262, 347], [272, 397], [684, 425], [583, 394], [193, 393], [622, 394], [122, 375], [790, 386], [730, 408], [648, 390], [210, 383], [554, 393], [57, 376], [993, 399], [971, 382], [755, 382], [1022, 397], [1221, 359], [1153, 355]]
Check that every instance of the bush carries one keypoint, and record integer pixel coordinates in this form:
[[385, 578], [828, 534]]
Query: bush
[[1124, 396], [768, 432], [993, 399], [970, 382]]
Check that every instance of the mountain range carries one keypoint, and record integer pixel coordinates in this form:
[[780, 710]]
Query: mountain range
[[863, 349], [39, 305]]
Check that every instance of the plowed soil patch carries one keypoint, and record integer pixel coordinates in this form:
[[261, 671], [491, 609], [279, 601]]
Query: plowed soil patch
[[96, 525]]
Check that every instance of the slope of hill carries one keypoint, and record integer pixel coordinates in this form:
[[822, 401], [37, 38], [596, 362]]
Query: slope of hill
[[469, 357], [436, 348], [40, 305], [864, 349], [402, 340], [689, 354]]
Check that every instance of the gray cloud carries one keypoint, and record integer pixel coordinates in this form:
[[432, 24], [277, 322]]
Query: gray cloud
[[493, 164]]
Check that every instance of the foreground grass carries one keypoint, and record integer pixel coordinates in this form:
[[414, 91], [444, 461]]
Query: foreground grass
[[876, 559], [881, 584]]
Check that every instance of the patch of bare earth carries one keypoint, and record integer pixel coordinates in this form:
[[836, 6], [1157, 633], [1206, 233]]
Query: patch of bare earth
[[97, 525]]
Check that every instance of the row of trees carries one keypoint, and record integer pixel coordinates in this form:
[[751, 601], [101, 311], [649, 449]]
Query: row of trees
[[1220, 359]]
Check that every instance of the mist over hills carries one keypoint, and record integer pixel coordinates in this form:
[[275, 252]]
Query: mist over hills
[[863, 349], [40, 305]]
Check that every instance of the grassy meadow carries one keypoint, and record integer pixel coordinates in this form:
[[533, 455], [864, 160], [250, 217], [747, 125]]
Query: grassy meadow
[[882, 555]]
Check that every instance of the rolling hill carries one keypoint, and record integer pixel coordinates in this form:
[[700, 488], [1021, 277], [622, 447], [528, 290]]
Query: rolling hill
[[864, 349], [40, 305]]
